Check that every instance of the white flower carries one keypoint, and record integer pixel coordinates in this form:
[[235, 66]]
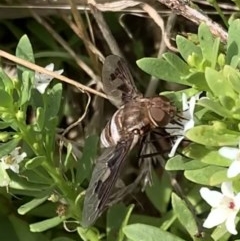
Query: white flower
[[184, 124], [234, 155], [12, 160], [43, 80], [225, 207]]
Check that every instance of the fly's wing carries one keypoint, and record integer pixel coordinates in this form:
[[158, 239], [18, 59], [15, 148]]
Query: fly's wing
[[118, 83], [103, 179]]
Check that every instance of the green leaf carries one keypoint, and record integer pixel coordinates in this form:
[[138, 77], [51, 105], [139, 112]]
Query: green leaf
[[184, 215], [21, 230], [204, 175], [6, 82], [53, 102], [35, 162], [176, 62], [4, 125], [24, 49], [219, 177], [233, 77], [63, 239], [209, 44], [159, 192], [46, 224], [215, 107], [212, 157], [233, 42], [6, 100], [8, 147], [25, 87], [40, 118], [187, 48], [178, 163], [218, 83], [197, 81], [115, 218], [142, 232], [214, 135], [27, 207], [84, 168], [161, 69], [89, 234]]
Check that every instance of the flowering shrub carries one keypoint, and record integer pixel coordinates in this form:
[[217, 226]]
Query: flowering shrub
[[210, 112]]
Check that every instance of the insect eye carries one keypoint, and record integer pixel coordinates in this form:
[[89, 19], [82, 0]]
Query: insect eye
[[159, 116]]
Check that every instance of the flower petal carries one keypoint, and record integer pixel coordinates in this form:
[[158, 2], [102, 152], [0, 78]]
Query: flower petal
[[213, 198], [216, 217], [234, 169], [42, 87], [60, 71], [229, 152], [14, 168], [21, 157], [49, 67], [230, 223], [227, 190], [237, 201]]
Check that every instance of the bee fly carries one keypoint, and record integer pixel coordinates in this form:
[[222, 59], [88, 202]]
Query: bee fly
[[135, 117]]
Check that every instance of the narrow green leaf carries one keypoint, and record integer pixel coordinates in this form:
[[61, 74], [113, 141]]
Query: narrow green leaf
[[213, 135], [218, 84], [62, 239], [89, 234], [115, 218], [214, 158], [159, 192], [184, 215], [24, 51], [202, 176], [34, 162], [9, 146], [233, 43], [178, 163], [215, 107], [53, 101], [21, 230], [4, 125], [177, 63], [187, 48], [40, 118], [233, 77], [206, 41], [25, 87], [6, 82], [27, 207], [142, 232], [84, 168], [6, 100], [197, 81], [46, 224], [161, 69], [219, 177]]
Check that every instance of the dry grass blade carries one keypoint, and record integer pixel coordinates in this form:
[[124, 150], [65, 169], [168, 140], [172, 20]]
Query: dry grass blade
[[45, 71], [181, 8], [65, 45], [105, 29]]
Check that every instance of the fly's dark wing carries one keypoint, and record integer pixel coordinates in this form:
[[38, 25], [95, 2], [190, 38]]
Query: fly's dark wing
[[117, 80], [103, 179]]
